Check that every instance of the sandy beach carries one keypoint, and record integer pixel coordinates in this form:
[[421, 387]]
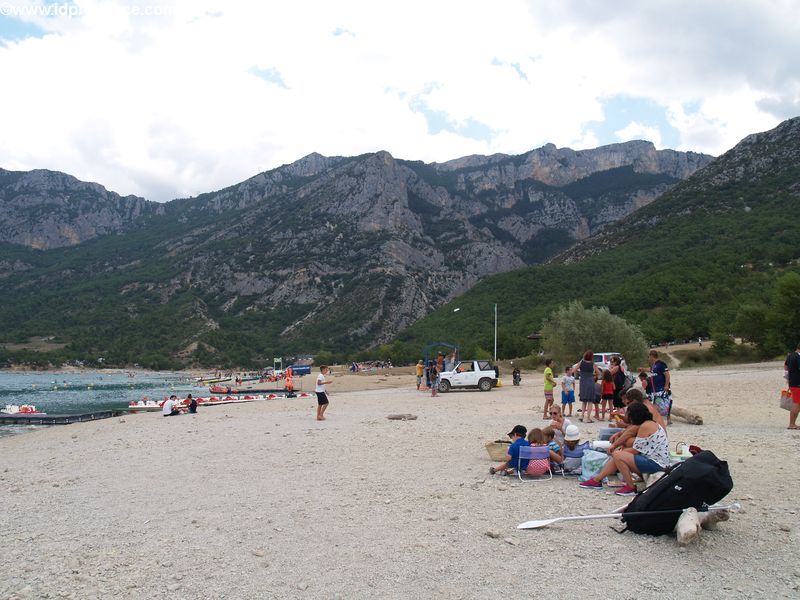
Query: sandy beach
[[262, 501]]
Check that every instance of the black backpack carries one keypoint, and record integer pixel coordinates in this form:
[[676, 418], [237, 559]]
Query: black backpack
[[701, 479]]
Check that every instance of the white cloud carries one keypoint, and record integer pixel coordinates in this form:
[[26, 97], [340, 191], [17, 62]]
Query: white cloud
[[176, 104], [637, 131]]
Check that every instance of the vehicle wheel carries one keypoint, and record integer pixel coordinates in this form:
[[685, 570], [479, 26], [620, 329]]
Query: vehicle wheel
[[444, 386], [485, 385]]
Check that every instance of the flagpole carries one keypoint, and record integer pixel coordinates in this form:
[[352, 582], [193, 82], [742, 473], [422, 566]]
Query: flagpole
[[495, 333]]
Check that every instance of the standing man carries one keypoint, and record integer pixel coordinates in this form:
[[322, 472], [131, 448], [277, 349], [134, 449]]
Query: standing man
[[420, 373], [659, 375], [793, 378], [659, 371], [322, 395]]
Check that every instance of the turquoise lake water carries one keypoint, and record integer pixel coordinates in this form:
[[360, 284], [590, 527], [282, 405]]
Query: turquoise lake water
[[75, 393]]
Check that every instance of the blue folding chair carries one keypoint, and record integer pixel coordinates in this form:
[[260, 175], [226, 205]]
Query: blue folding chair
[[538, 453]]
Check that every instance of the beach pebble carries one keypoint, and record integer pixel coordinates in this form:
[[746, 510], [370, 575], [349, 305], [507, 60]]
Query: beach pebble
[[511, 541], [174, 587], [259, 552], [785, 527], [493, 533], [166, 564], [302, 586], [178, 576]]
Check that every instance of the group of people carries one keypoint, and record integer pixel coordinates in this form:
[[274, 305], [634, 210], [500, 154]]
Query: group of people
[[428, 376], [173, 407], [370, 365], [600, 391], [639, 446]]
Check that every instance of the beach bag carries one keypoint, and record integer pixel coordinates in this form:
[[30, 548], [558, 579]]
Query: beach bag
[[591, 463], [786, 401], [573, 459], [701, 479], [662, 401]]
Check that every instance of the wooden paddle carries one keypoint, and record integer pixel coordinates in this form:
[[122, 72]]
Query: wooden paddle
[[545, 522]]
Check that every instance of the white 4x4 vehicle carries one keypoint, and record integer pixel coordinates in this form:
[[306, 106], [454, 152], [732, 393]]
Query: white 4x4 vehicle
[[469, 374], [603, 360]]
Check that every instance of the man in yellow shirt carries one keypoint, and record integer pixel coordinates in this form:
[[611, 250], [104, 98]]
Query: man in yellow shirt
[[420, 373]]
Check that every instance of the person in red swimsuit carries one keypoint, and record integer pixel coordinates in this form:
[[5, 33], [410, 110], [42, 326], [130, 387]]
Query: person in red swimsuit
[[792, 366]]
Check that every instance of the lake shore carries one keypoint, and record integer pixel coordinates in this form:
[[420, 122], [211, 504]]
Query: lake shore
[[261, 500]]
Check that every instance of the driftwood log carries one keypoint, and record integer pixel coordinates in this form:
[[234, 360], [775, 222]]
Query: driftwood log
[[691, 522], [687, 415], [403, 417]]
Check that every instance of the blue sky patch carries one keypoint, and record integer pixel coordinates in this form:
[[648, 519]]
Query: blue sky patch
[[15, 30], [271, 75], [620, 111], [496, 62], [439, 120]]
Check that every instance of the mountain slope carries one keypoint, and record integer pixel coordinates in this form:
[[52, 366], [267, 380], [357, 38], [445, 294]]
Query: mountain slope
[[336, 253], [680, 267]]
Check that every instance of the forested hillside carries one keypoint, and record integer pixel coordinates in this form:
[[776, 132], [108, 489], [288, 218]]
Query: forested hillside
[[686, 265]]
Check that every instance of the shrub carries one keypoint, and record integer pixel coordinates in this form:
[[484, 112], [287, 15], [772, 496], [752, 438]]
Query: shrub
[[572, 329]]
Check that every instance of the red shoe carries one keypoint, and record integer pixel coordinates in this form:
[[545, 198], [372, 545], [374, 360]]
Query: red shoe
[[591, 484], [627, 490]]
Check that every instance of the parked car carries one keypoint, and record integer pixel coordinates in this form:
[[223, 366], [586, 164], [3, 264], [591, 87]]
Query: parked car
[[469, 374], [603, 361]]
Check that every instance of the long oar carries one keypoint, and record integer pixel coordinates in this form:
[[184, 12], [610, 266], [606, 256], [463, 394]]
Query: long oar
[[545, 522]]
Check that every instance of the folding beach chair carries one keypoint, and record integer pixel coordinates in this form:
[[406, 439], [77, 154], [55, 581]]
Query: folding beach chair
[[536, 456]]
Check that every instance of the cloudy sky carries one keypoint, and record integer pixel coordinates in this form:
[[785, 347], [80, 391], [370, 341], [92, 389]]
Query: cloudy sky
[[170, 99]]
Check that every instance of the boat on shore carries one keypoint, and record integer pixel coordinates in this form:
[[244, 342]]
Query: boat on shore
[[24, 409]]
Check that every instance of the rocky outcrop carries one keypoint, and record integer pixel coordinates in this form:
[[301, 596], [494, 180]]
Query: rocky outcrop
[[47, 209]]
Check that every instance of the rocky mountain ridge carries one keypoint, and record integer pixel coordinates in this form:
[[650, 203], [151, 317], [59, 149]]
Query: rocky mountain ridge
[[336, 252], [47, 209]]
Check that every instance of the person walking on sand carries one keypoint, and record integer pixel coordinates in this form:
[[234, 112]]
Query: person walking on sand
[[434, 376], [322, 395], [420, 373], [793, 379]]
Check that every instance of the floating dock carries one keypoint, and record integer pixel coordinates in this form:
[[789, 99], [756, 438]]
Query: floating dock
[[44, 419]]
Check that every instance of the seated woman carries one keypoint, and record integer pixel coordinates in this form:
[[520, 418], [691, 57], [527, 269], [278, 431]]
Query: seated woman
[[559, 423], [649, 453], [625, 438]]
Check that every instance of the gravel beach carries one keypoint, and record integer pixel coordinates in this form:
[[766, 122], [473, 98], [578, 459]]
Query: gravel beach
[[262, 501]]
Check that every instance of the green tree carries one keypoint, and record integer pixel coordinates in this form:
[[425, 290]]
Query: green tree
[[784, 318], [751, 323], [572, 329]]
